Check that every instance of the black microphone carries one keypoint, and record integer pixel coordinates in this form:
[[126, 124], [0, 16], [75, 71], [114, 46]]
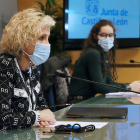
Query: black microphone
[[63, 75], [133, 61]]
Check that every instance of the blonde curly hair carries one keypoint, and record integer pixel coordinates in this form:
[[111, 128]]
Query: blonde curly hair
[[22, 29]]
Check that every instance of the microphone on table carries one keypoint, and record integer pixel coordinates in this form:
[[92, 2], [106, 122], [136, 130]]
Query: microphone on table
[[133, 61], [63, 75], [132, 124]]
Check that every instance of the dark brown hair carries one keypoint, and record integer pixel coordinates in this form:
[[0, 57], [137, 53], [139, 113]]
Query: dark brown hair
[[91, 42]]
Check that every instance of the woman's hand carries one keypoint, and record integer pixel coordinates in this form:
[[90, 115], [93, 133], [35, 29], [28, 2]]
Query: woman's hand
[[135, 86], [45, 123], [46, 117]]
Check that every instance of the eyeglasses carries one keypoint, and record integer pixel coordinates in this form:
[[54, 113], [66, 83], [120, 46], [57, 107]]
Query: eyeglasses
[[104, 36]]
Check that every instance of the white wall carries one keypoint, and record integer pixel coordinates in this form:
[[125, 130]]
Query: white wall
[[7, 9]]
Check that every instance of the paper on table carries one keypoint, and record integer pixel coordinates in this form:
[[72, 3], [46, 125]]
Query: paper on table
[[98, 125], [135, 100], [122, 94]]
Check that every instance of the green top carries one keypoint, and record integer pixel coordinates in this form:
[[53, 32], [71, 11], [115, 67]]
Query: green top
[[89, 67]]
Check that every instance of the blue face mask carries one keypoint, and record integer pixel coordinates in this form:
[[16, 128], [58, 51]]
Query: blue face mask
[[41, 53], [106, 44]]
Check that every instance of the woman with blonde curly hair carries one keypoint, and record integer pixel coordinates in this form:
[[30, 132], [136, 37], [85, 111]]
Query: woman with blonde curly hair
[[24, 46]]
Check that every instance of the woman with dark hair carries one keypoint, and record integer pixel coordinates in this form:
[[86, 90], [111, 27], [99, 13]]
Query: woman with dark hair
[[94, 63]]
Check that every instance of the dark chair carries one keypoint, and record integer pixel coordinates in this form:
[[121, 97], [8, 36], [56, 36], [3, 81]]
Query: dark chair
[[50, 97], [55, 88]]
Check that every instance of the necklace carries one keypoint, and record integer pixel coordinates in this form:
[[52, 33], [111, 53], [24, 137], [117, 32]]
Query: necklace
[[27, 86]]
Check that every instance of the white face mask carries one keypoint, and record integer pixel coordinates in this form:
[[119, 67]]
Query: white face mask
[[106, 44], [41, 53]]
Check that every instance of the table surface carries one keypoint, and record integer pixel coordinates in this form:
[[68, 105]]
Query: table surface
[[116, 129]]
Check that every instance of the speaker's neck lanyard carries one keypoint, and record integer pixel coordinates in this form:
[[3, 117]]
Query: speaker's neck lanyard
[[25, 86]]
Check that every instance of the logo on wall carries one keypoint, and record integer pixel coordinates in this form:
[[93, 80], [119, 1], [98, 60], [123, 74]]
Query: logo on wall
[[92, 7]]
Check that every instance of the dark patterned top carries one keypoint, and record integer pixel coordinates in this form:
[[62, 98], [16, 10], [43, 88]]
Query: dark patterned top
[[20, 95]]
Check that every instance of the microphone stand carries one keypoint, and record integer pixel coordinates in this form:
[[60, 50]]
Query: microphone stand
[[132, 124], [133, 61], [93, 82], [63, 75], [60, 105]]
